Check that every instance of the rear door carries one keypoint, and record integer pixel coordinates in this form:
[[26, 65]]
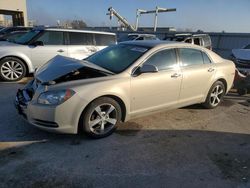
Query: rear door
[[80, 45], [153, 91], [198, 72], [53, 44]]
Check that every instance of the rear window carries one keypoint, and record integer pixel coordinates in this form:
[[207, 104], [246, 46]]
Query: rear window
[[76, 38], [104, 40]]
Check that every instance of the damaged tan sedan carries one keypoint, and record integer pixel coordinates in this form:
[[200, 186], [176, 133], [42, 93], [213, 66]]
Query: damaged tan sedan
[[121, 82]]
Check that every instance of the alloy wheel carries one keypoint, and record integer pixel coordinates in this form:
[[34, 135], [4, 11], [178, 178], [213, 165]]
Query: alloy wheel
[[103, 119], [11, 70], [216, 95]]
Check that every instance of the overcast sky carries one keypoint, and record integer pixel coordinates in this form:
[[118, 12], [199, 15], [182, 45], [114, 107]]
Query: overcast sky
[[207, 15]]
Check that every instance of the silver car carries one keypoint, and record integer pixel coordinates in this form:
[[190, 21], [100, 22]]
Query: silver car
[[25, 54], [121, 82]]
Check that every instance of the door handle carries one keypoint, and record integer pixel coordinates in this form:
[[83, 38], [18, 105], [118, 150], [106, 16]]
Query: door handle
[[210, 69], [175, 75], [60, 51]]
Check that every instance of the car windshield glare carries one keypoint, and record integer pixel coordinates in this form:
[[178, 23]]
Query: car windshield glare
[[118, 57], [27, 37]]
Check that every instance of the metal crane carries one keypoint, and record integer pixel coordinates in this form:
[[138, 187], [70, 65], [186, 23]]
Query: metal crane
[[112, 12]]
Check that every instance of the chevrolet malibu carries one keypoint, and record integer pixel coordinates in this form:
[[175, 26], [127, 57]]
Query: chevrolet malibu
[[121, 82]]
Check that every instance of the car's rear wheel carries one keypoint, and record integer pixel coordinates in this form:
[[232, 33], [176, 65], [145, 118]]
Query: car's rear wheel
[[101, 117], [12, 69], [215, 95]]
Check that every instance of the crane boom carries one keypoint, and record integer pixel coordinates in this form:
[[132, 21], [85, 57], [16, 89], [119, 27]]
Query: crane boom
[[113, 12]]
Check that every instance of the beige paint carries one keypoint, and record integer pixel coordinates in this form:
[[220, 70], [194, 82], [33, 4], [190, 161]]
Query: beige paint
[[142, 94], [15, 5]]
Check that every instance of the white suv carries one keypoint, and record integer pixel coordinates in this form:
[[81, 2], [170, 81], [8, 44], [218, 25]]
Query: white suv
[[40, 45]]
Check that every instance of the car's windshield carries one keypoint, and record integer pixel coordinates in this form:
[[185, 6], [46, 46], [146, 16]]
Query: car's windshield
[[4, 30], [247, 46], [118, 57], [27, 37]]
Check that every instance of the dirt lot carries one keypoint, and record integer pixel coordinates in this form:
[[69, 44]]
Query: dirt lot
[[188, 147]]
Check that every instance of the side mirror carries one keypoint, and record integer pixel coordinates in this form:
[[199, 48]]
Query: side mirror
[[38, 43], [145, 69]]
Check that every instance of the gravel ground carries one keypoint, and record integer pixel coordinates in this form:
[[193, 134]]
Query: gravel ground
[[188, 147]]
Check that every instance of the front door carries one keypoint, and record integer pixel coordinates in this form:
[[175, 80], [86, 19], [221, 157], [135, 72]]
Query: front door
[[153, 91], [53, 44]]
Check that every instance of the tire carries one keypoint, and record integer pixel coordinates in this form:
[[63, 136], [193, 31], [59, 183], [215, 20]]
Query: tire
[[101, 117], [242, 91], [12, 69], [215, 95]]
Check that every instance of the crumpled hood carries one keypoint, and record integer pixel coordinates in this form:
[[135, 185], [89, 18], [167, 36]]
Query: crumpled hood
[[60, 66], [243, 54]]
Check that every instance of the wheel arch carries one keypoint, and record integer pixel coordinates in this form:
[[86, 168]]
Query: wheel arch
[[224, 83], [114, 97], [25, 60]]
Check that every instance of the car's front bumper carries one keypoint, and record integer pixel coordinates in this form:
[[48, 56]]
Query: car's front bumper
[[63, 118]]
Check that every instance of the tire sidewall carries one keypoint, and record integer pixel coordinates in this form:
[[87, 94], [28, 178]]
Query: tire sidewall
[[207, 103], [12, 59], [84, 120]]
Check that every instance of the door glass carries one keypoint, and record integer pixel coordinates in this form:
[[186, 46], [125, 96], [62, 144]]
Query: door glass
[[206, 58], [51, 38], [188, 41], [163, 60], [190, 57], [77, 38], [104, 40], [197, 41]]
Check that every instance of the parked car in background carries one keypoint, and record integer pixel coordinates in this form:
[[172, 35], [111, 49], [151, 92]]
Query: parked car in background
[[241, 58], [137, 36], [198, 39], [122, 82], [40, 45], [13, 36], [8, 30]]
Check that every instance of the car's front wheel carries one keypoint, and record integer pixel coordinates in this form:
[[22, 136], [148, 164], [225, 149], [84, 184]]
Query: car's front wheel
[[101, 117], [215, 95], [12, 69]]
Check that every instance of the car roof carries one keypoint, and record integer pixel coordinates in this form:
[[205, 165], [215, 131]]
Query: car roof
[[141, 34], [154, 43], [75, 30]]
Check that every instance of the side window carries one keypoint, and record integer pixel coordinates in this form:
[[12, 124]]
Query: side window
[[188, 41], [104, 40], [197, 41], [77, 38], [140, 38], [51, 38], [163, 60], [206, 59], [190, 57]]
